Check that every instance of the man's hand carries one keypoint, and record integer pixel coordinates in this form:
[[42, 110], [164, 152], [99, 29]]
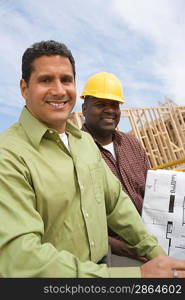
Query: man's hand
[[163, 267]]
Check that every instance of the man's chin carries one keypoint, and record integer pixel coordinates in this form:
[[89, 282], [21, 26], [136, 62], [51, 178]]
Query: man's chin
[[107, 130], [110, 127]]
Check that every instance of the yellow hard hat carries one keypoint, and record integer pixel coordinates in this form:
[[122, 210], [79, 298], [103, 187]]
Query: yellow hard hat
[[104, 85]]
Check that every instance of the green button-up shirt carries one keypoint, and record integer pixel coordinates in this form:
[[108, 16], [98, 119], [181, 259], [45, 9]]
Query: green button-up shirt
[[55, 205]]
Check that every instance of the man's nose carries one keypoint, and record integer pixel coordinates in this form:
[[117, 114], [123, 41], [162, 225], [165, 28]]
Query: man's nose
[[58, 88], [109, 108]]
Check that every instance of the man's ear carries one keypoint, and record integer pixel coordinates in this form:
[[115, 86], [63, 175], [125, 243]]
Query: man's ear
[[24, 88], [84, 108]]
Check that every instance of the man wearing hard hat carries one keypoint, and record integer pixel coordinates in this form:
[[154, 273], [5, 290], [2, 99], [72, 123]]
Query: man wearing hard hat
[[122, 152]]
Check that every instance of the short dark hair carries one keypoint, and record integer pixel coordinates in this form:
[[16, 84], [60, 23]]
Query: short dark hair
[[48, 48]]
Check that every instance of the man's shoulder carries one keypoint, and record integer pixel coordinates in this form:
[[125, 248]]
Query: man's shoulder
[[131, 143], [8, 135], [12, 138], [127, 137]]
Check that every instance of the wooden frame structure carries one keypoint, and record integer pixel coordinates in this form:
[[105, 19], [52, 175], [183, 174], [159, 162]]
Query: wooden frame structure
[[160, 130]]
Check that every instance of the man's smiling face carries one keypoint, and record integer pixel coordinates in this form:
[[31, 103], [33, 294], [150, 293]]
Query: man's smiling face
[[50, 94], [101, 115]]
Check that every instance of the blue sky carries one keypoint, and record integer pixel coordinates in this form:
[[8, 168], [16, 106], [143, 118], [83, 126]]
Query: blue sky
[[140, 41]]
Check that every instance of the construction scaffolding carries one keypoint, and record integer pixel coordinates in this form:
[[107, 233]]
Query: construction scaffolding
[[160, 130]]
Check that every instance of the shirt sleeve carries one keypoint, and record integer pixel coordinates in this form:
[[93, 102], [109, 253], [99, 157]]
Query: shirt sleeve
[[23, 254], [143, 155], [124, 219], [146, 164]]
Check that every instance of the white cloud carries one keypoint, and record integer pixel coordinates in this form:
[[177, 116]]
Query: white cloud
[[162, 23], [141, 42]]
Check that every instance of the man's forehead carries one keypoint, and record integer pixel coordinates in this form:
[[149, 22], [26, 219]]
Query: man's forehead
[[102, 100]]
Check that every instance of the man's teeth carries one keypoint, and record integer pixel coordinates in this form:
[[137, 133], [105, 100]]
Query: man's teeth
[[107, 118], [58, 105]]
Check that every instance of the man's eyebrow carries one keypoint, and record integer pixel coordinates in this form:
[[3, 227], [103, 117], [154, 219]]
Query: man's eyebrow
[[67, 76], [98, 101], [44, 75]]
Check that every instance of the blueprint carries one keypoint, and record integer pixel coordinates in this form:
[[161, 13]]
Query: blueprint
[[164, 210]]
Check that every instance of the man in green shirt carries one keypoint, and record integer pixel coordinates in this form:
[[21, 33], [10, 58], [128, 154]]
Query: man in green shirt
[[57, 193]]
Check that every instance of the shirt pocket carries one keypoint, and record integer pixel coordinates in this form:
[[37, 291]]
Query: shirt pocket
[[97, 182]]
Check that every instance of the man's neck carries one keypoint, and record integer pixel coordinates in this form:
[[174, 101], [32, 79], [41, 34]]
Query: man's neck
[[102, 139]]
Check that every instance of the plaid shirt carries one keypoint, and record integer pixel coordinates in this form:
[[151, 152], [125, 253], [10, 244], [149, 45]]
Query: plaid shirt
[[130, 167]]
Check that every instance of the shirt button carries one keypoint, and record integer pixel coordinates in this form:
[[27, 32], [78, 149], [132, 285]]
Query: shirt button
[[92, 244], [86, 215], [81, 187]]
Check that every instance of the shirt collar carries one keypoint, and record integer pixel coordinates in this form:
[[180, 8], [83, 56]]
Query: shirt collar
[[73, 129], [36, 129]]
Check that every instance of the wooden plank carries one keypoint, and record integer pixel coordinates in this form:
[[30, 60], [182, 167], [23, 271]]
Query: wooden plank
[[160, 130]]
